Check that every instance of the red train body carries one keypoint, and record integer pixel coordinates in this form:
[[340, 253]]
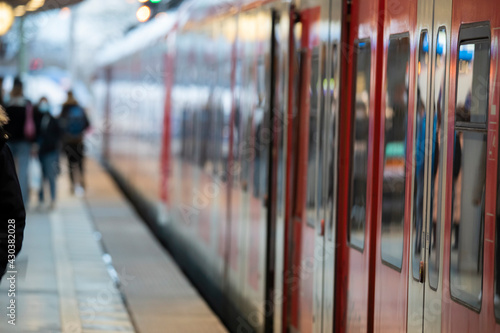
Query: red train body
[[320, 165]]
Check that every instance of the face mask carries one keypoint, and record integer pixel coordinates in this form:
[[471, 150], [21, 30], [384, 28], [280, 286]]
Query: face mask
[[44, 107]]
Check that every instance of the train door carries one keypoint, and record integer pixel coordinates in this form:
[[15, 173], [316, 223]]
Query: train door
[[428, 158], [313, 210], [304, 219], [471, 211], [275, 290], [362, 31], [250, 164], [393, 168], [329, 177], [258, 155]]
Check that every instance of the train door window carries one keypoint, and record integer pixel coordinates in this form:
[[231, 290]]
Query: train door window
[[359, 145], [312, 172], [321, 177], [419, 153], [435, 124], [469, 171], [261, 119], [396, 110], [331, 142], [246, 105]]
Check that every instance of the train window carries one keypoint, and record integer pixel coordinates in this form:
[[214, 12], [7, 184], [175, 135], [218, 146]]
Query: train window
[[331, 143], [435, 124], [396, 110], [261, 125], [470, 104], [469, 172], [321, 179], [247, 100], [419, 153], [312, 165], [359, 145]]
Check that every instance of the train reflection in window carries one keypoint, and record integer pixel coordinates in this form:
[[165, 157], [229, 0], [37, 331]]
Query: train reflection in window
[[331, 142], [396, 110], [321, 180], [312, 160], [434, 154], [359, 148], [262, 131], [469, 173], [419, 153], [244, 116], [471, 107]]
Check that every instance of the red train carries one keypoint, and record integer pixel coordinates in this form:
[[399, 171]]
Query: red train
[[318, 165]]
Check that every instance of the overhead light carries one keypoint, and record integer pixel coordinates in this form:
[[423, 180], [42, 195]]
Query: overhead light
[[143, 14], [20, 10], [33, 5], [6, 18]]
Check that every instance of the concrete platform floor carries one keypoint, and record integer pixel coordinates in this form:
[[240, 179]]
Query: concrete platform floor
[[92, 266]]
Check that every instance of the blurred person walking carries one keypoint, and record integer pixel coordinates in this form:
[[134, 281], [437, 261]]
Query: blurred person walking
[[12, 212], [74, 122], [49, 136], [21, 131]]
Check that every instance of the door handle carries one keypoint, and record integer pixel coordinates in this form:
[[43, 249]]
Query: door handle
[[422, 272]]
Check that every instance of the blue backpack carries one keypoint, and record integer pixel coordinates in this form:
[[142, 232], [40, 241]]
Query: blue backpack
[[76, 122]]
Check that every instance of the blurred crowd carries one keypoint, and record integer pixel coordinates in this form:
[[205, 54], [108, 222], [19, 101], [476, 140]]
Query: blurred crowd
[[37, 138]]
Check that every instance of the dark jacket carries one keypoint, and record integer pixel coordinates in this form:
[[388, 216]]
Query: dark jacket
[[64, 121], [48, 132], [16, 111], [11, 205]]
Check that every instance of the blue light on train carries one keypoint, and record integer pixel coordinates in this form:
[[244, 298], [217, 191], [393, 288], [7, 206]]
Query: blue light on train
[[425, 44], [362, 44], [466, 52], [441, 43]]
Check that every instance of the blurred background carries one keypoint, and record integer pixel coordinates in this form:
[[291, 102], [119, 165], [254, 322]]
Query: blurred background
[[53, 44], [75, 271]]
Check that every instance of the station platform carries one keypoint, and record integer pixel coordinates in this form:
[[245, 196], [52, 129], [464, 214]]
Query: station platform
[[92, 266]]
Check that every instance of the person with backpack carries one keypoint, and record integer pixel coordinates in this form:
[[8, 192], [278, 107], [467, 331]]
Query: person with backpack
[[48, 138], [74, 122], [21, 131], [12, 211]]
